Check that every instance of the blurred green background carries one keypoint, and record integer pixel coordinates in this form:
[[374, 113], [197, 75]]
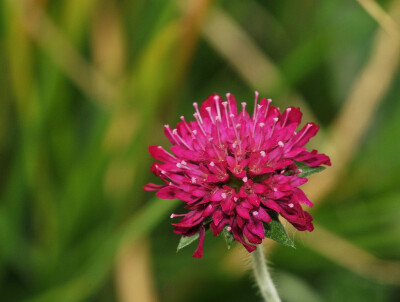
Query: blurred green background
[[86, 86]]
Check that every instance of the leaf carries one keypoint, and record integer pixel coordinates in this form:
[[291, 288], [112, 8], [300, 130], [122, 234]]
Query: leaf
[[276, 231], [185, 241], [307, 170], [228, 237]]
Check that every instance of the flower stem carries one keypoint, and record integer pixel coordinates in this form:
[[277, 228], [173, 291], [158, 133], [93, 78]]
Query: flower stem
[[263, 278]]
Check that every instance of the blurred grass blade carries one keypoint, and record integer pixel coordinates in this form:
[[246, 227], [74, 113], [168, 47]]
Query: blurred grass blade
[[383, 18], [98, 267]]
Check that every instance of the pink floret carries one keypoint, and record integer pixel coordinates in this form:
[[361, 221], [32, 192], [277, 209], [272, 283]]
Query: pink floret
[[233, 170]]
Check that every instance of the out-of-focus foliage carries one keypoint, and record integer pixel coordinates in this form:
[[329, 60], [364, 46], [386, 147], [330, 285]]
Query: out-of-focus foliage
[[85, 86]]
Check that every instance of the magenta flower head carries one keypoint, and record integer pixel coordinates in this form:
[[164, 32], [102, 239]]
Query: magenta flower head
[[237, 173]]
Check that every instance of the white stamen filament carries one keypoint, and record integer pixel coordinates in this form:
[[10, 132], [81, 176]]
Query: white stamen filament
[[217, 122], [198, 118], [216, 99], [302, 135], [266, 111], [256, 94], [187, 126], [228, 96], [255, 119], [286, 116], [273, 126], [170, 133], [176, 215], [198, 112], [210, 115], [175, 132], [243, 108], [225, 104], [166, 152], [234, 126]]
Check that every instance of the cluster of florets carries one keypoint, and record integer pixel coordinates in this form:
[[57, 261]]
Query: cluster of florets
[[233, 170]]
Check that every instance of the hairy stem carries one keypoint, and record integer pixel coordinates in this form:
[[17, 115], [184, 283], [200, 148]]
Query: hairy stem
[[263, 278]]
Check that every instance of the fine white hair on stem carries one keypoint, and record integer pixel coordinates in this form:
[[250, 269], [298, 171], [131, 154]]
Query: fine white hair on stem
[[263, 277]]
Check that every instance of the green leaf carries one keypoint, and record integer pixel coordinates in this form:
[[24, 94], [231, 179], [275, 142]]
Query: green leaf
[[276, 231], [185, 241], [307, 170], [228, 237]]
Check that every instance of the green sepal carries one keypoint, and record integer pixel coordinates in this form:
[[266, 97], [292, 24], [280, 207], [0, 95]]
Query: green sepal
[[276, 231], [228, 237], [185, 241], [307, 170]]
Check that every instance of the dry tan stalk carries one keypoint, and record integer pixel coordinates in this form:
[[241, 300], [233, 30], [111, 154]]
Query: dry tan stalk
[[383, 18], [133, 273], [368, 91], [44, 32]]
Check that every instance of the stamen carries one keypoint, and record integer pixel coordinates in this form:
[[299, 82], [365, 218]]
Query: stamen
[[198, 119], [228, 96], [261, 137], [216, 99], [275, 119], [176, 215], [170, 133], [256, 94], [197, 111], [210, 115], [166, 152], [225, 104], [262, 153], [255, 119], [302, 135], [175, 132], [186, 125], [217, 122], [266, 111], [243, 108], [286, 116], [234, 126]]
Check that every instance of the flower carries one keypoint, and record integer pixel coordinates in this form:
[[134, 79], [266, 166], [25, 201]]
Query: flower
[[234, 171]]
